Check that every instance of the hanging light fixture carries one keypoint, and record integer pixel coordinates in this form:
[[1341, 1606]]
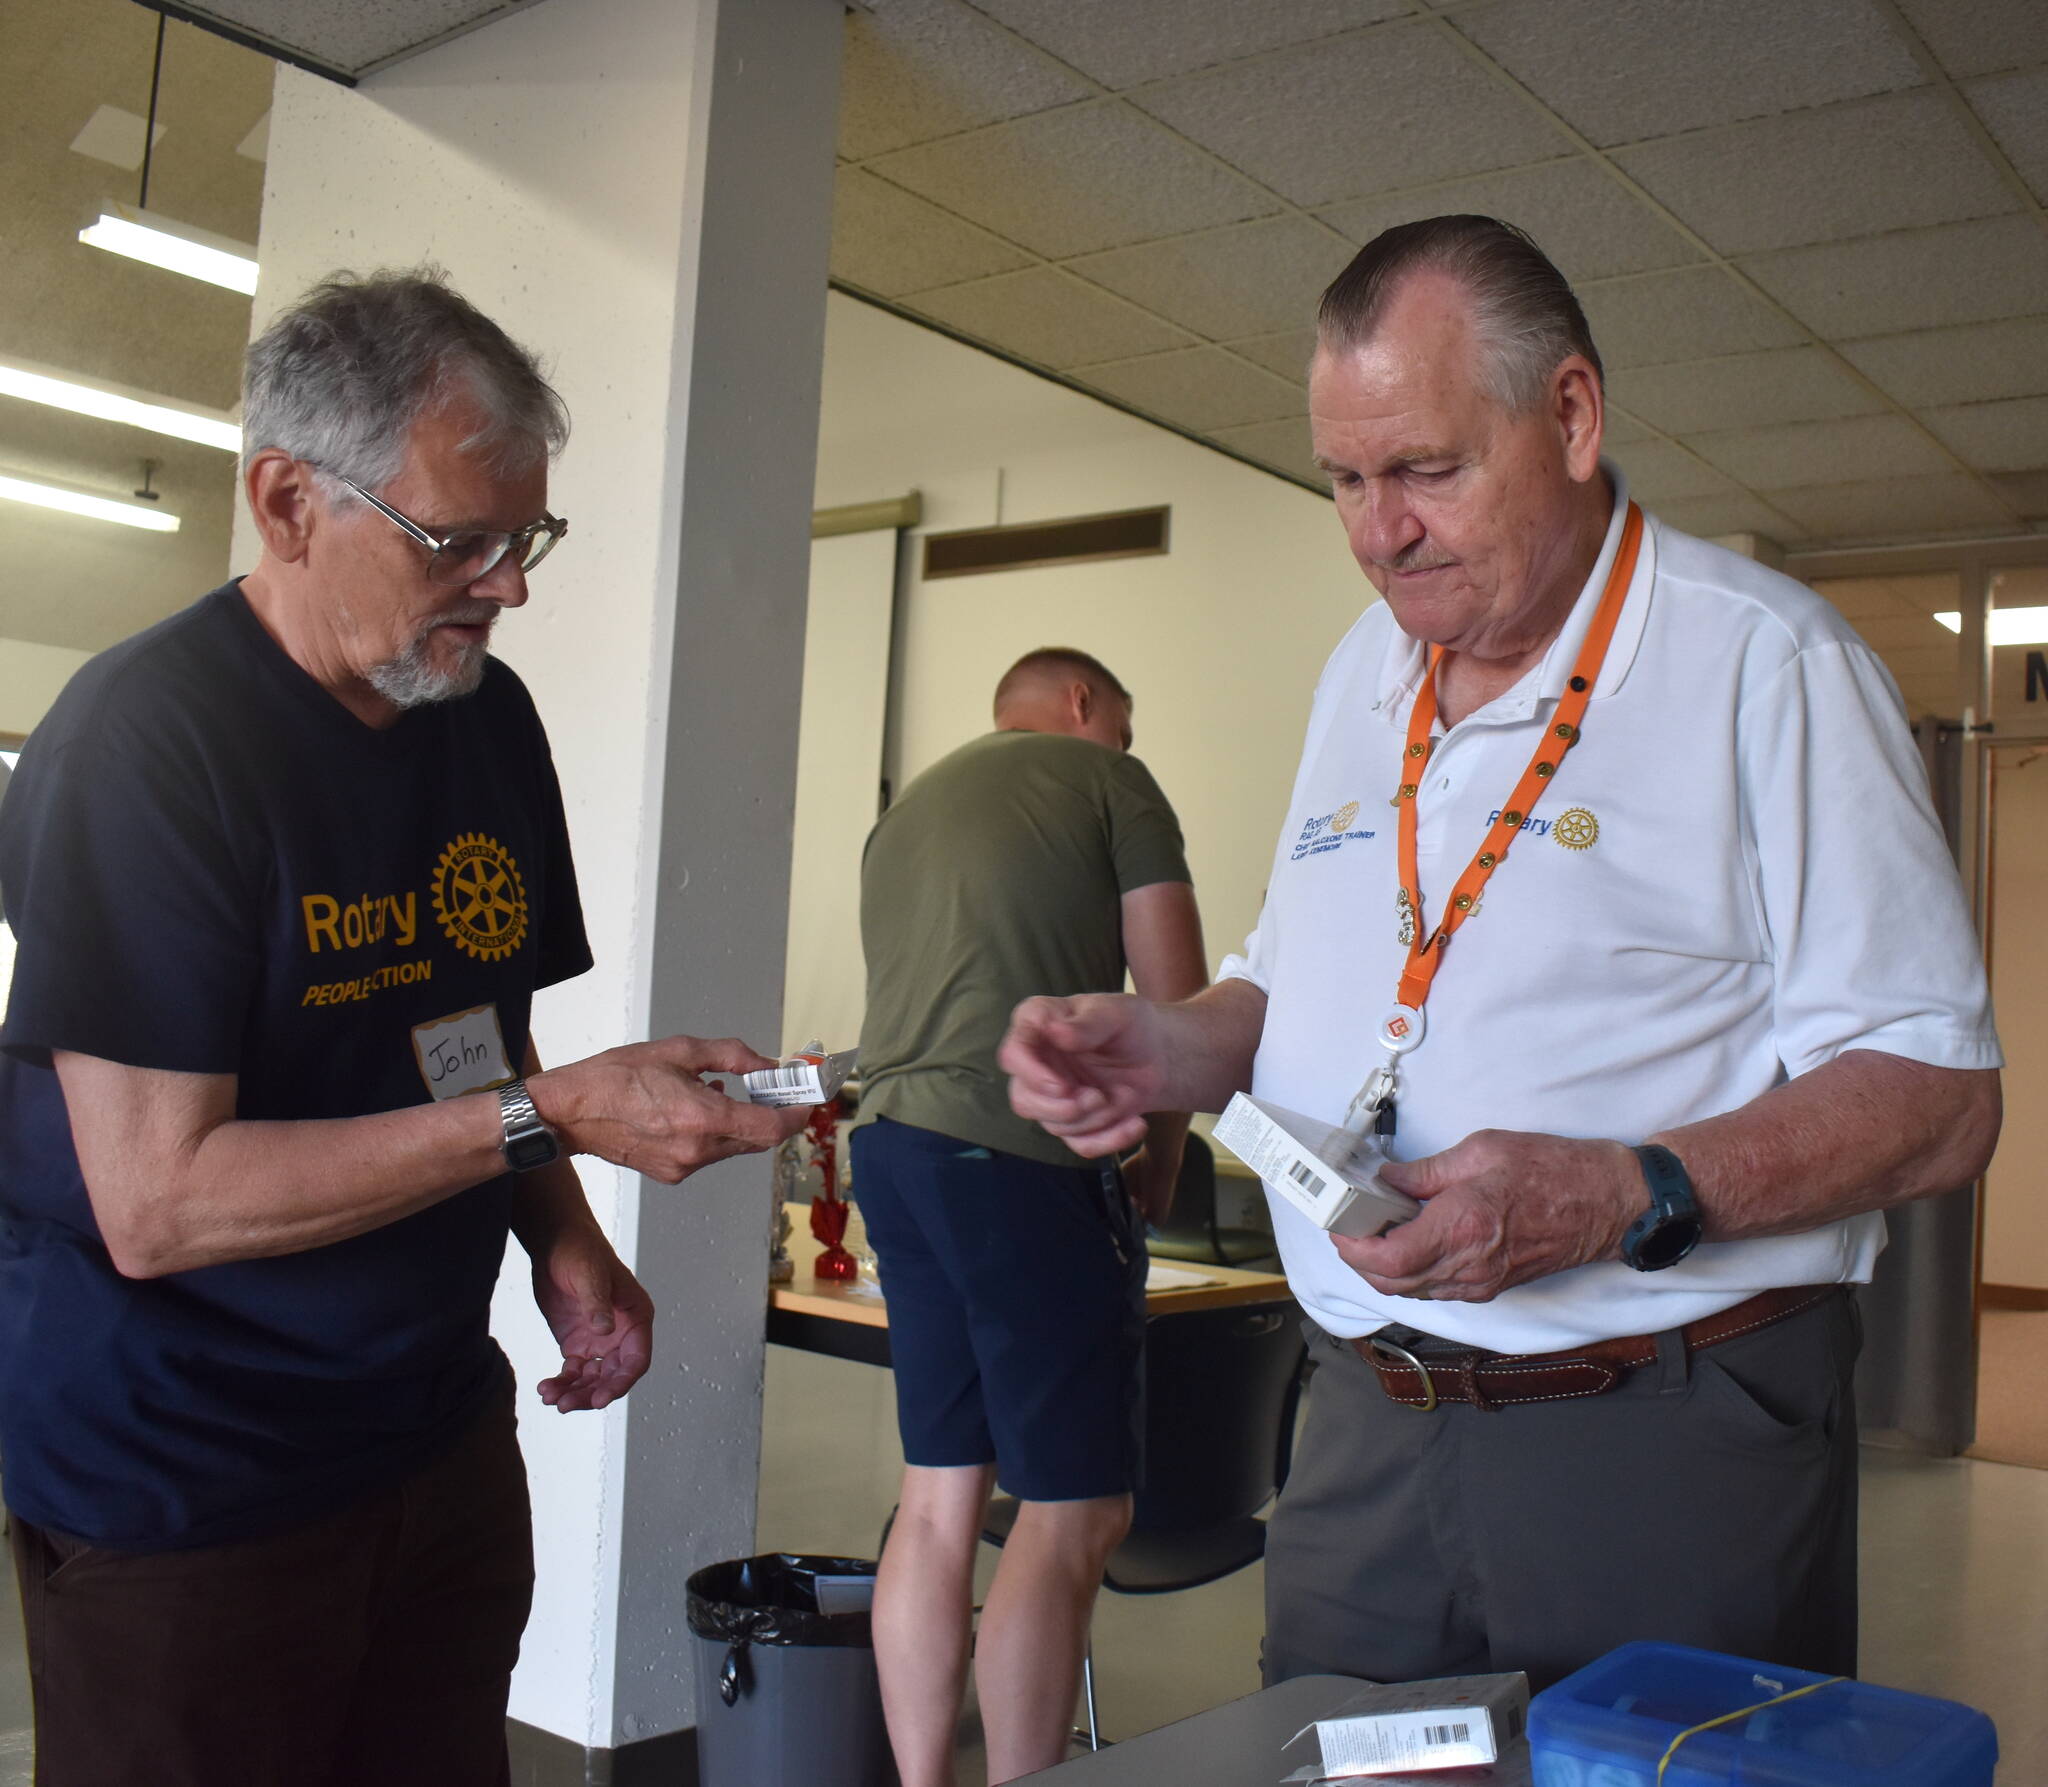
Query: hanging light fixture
[[38, 494], [2009, 626], [116, 403], [145, 235]]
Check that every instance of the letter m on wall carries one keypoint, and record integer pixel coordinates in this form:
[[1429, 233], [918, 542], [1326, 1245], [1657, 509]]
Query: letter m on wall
[[2037, 676]]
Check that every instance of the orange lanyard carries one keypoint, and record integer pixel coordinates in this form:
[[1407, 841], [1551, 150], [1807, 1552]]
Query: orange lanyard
[[1426, 947]]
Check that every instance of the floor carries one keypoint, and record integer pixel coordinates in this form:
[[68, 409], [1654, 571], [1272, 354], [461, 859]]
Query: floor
[[1955, 1577]]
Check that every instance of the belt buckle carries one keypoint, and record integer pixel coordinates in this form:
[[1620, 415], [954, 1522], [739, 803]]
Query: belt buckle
[[1403, 1356]]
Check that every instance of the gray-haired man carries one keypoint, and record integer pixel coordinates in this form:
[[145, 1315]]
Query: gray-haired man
[[285, 872]]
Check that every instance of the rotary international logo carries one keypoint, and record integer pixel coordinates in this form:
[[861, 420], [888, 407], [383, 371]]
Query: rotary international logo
[[1576, 829], [1341, 819], [479, 897]]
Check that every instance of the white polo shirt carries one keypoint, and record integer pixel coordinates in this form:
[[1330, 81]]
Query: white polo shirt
[[1735, 876]]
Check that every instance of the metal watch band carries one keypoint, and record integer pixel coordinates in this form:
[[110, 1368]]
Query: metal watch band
[[528, 1142], [516, 1107]]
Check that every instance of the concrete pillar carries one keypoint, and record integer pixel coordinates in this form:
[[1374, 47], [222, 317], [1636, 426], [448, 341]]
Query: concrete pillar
[[641, 190]]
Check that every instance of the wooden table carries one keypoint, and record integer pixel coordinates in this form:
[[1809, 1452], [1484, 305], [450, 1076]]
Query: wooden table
[[847, 1324]]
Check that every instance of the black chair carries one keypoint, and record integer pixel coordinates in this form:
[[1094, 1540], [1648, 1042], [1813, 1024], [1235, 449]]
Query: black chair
[[1191, 1233], [1221, 1390]]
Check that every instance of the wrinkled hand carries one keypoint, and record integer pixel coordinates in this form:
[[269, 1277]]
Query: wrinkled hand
[[646, 1108], [1087, 1069], [1501, 1208], [599, 1314]]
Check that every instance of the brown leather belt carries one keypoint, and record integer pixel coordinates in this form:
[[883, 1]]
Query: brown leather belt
[[1495, 1380]]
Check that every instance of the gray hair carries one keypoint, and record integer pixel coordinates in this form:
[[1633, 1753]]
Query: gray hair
[[340, 378], [1524, 311]]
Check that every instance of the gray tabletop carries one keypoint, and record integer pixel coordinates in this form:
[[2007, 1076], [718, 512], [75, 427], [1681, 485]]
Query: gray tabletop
[[1236, 1745]]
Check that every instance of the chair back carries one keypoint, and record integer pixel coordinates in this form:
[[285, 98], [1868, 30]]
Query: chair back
[[1192, 1220], [1221, 1387]]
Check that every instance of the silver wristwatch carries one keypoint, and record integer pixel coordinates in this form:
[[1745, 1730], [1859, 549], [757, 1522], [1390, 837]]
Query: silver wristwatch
[[528, 1142]]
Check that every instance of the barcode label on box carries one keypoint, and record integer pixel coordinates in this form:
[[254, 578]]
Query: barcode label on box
[[1460, 1733], [783, 1079], [1305, 1176]]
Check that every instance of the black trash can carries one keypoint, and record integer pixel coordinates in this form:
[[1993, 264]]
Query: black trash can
[[786, 1686]]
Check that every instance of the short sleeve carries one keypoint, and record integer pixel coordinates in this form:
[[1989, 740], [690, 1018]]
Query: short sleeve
[[1871, 941], [136, 939], [1144, 835]]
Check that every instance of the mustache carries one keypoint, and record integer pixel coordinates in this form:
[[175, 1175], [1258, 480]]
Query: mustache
[[463, 614], [1413, 559]]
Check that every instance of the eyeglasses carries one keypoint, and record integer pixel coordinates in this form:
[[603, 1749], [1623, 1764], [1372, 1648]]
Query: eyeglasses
[[470, 553]]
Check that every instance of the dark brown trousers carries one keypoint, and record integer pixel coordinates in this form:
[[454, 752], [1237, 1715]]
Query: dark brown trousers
[[373, 1648]]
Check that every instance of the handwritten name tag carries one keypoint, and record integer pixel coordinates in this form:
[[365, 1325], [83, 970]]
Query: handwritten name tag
[[463, 1053]]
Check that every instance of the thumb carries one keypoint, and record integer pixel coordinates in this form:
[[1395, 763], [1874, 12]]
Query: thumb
[[1422, 1178]]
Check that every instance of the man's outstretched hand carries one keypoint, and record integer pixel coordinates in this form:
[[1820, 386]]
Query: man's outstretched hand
[[1087, 1069], [601, 1318]]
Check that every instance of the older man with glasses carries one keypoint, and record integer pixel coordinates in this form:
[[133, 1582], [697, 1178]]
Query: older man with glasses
[[285, 872]]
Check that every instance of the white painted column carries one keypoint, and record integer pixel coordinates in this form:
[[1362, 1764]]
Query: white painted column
[[640, 190]]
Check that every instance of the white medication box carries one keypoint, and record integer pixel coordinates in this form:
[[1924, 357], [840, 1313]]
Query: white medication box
[[1417, 1728], [1329, 1175], [811, 1077]]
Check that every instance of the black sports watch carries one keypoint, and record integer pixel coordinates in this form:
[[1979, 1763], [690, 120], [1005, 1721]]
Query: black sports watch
[[1670, 1229], [528, 1142]]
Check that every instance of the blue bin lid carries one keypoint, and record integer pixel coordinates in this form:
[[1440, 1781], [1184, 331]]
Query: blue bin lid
[[1629, 1705]]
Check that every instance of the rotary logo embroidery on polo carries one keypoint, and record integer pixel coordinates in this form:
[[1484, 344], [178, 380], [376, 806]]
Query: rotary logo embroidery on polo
[[1330, 831], [479, 897], [1576, 828]]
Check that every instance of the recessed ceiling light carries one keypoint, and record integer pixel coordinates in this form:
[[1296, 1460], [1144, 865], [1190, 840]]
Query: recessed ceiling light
[[164, 242], [116, 403], [2009, 626], [77, 502]]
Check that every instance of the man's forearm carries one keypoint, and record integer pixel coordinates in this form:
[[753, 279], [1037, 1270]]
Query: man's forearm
[[1864, 1132], [547, 1202], [1210, 1041]]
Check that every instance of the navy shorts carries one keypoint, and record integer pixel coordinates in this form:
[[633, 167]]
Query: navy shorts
[[1016, 1310]]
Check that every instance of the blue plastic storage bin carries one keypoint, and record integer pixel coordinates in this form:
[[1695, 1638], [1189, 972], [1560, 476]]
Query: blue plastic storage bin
[[1610, 1724]]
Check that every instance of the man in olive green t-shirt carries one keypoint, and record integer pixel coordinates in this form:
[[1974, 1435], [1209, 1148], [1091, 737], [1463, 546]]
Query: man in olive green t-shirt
[[1040, 858]]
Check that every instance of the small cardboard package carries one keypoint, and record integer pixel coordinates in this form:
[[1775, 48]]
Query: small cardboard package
[[810, 1076], [1325, 1172], [1414, 1730]]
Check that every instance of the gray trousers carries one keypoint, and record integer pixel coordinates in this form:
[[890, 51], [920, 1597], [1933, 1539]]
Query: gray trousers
[[1709, 1502]]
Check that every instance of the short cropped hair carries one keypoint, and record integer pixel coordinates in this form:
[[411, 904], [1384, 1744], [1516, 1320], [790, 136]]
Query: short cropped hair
[[1059, 660], [340, 378], [1527, 317]]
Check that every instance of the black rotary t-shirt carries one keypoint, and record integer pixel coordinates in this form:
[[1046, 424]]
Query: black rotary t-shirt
[[212, 866]]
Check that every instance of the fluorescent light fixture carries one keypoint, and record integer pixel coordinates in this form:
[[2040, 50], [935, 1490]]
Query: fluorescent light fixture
[[77, 502], [2009, 626], [117, 403], [178, 247]]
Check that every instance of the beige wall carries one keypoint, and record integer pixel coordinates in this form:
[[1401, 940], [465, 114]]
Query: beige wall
[[2016, 1203], [30, 678]]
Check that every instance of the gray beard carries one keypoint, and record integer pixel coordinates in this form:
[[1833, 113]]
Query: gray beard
[[410, 679]]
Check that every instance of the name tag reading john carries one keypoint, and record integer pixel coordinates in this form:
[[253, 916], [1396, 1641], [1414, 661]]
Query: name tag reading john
[[463, 1053]]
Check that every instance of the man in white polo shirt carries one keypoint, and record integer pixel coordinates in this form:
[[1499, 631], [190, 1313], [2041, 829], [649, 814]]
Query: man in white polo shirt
[[1611, 896]]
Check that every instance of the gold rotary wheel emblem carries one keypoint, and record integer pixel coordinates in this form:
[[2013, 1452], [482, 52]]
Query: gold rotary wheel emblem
[[479, 897], [1576, 829], [1341, 819]]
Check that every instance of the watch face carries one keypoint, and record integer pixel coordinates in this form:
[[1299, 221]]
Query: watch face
[[1663, 1244], [535, 1148]]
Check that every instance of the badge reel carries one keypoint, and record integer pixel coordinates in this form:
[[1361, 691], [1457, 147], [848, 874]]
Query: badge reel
[[1372, 1112]]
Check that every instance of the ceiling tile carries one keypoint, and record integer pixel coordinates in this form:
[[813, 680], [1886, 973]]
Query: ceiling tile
[[889, 241], [1147, 40], [115, 136], [1286, 353], [1394, 107], [1852, 170], [1996, 437], [1281, 444], [2026, 491], [1840, 452], [1966, 365], [1200, 388], [1687, 315], [1083, 178], [1623, 428], [2014, 108], [1045, 316], [1712, 516], [1624, 70], [1917, 279], [1795, 384], [1580, 216], [1894, 508], [919, 69], [1250, 279], [1661, 471], [1982, 36]]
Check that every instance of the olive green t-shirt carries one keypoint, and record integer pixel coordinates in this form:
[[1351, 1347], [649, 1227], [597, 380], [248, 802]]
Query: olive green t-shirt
[[997, 874]]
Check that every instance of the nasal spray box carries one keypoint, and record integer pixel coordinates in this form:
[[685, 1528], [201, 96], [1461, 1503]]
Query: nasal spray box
[[1408, 1731], [1328, 1174], [810, 1076]]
